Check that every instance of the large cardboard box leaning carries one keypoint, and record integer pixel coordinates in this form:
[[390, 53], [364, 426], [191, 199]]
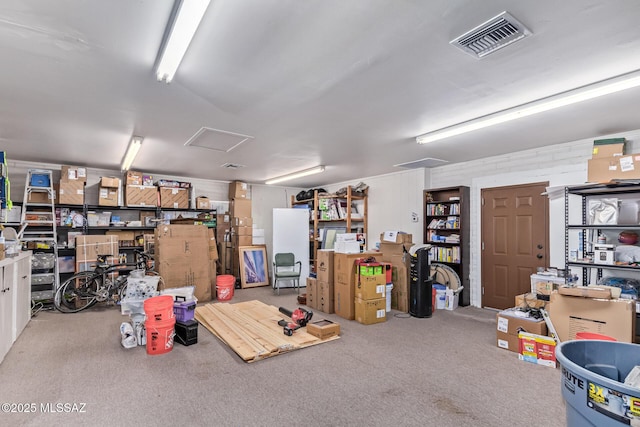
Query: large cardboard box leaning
[[182, 258], [509, 325], [344, 282], [611, 317]]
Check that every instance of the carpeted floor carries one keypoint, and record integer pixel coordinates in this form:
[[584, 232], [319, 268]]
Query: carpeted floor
[[440, 371]]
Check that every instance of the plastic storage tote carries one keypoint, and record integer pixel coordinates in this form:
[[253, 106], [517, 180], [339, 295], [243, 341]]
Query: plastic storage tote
[[593, 375]]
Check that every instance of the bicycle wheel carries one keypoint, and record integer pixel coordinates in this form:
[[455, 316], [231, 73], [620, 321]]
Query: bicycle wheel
[[77, 293]]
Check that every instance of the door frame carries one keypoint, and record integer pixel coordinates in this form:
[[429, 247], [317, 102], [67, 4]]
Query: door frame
[[547, 252]]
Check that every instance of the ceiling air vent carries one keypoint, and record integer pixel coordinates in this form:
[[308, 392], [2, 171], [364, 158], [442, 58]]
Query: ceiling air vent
[[216, 139], [232, 166], [427, 162], [494, 34]]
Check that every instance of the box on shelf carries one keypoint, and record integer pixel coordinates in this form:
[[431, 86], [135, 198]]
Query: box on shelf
[[543, 284], [238, 190], [73, 174], [608, 147], [40, 180], [147, 219], [71, 193], [396, 237], [586, 291], [109, 182], [203, 203], [177, 198], [108, 196], [133, 178], [141, 195], [606, 169], [603, 253], [88, 247], [323, 329], [41, 197]]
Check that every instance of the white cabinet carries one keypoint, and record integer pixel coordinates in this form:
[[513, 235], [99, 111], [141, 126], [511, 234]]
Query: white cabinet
[[22, 294], [15, 299]]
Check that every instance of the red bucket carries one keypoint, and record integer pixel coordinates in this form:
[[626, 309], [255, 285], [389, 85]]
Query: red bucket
[[159, 309], [224, 287], [593, 336], [160, 336]]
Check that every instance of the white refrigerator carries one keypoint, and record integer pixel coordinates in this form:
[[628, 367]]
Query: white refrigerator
[[291, 234]]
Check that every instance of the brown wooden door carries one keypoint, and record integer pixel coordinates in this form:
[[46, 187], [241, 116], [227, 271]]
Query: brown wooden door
[[515, 241]]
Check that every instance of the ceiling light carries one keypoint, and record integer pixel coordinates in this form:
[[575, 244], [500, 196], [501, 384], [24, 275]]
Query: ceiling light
[[182, 27], [295, 175], [601, 88], [132, 151]]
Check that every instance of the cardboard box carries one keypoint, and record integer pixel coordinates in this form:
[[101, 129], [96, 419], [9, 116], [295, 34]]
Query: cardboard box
[[543, 285], [176, 198], [146, 219], [324, 265], [203, 203], [586, 291], [614, 318], [141, 195], [109, 182], [371, 287], [213, 245], [182, 258], [242, 222], [241, 240], [89, 247], [529, 300], [71, 193], [133, 178], [238, 190], [537, 349], [121, 235], [73, 174], [394, 248], [603, 254], [400, 278], [108, 196], [223, 226], [312, 293], [323, 329], [325, 297], [241, 208], [42, 197], [603, 170], [395, 237], [371, 311], [508, 327], [608, 150], [350, 247], [242, 231]]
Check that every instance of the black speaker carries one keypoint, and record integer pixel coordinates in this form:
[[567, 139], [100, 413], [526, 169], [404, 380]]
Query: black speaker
[[420, 285]]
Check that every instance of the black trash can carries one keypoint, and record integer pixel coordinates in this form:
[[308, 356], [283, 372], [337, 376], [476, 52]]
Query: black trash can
[[420, 285]]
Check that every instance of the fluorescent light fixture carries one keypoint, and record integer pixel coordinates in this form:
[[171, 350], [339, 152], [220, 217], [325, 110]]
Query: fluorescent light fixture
[[132, 152], [186, 20], [595, 90], [295, 175]]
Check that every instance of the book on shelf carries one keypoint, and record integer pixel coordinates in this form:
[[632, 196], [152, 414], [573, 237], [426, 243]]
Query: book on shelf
[[436, 224], [452, 238]]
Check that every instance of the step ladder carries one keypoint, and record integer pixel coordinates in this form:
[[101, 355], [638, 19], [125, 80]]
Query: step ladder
[[38, 229]]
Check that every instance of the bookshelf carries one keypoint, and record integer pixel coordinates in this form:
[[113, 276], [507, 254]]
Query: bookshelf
[[446, 229]]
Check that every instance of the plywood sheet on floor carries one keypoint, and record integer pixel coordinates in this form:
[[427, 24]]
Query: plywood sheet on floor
[[251, 329]]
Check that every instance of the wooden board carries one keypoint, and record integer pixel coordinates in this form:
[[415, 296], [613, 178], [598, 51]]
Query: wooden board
[[251, 329]]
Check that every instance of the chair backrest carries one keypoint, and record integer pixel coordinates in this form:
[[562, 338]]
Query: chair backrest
[[285, 260]]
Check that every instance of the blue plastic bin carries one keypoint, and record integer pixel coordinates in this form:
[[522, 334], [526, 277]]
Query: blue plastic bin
[[593, 374], [40, 180]]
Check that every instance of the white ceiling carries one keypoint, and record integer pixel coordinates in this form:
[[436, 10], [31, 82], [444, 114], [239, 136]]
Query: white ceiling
[[346, 84]]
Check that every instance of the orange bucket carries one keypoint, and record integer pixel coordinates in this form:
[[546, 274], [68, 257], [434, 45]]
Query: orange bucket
[[160, 336], [159, 309], [224, 287], [593, 336]]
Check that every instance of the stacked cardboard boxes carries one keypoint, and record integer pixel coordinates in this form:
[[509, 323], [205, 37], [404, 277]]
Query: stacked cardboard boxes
[[370, 293], [325, 285], [609, 161], [139, 190], [72, 182], [344, 274], [241, 222], [510, 324], [394, 252], [109, 191]]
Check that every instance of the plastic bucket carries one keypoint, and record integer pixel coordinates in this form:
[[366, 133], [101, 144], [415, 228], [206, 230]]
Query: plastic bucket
[[160, 336], [389, 289], [224, 287], [159, 309], [593, 375], [593, 336], [441, 296]]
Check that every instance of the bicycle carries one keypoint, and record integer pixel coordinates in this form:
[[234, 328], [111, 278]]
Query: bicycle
[[86, 288]]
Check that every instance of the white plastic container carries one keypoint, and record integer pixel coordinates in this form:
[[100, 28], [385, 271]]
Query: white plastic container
[[389, 289]]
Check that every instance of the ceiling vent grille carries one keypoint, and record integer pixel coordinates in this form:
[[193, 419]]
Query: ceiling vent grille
[[494, 34], [427, 162], [232, 166], [216, 139]]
